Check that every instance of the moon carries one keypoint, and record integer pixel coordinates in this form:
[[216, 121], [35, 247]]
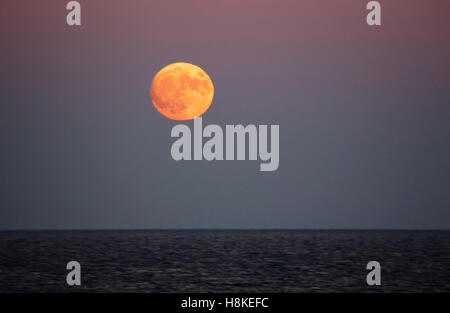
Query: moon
[[181, 91]]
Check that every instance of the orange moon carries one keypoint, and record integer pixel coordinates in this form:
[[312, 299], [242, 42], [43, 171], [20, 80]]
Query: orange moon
[[181, 91]]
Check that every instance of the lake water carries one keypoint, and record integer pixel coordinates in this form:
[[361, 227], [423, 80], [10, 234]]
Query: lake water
[[225, 261]]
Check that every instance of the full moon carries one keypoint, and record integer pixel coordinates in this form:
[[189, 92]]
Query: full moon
[[181, 91]]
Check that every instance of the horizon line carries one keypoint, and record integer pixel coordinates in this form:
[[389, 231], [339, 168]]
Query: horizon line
[[216, 229]]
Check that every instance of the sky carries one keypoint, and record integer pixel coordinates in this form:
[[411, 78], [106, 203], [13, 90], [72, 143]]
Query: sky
[[363, 114]]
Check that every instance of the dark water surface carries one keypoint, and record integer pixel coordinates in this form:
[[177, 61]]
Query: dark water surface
[[225, 261]]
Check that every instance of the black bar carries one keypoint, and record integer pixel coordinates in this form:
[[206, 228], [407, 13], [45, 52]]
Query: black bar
[[268, 302]]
